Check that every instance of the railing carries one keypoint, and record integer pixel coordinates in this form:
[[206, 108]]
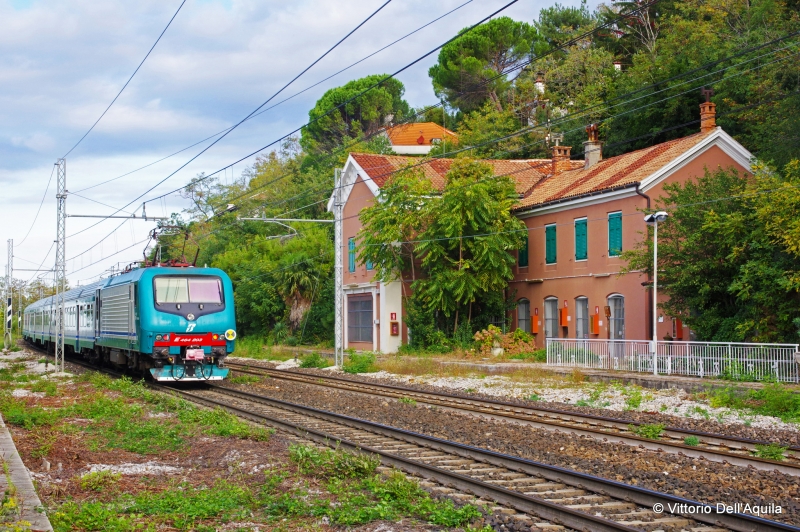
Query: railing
[[727, 360]]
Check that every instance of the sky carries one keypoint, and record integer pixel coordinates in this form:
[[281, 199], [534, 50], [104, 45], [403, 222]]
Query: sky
[[62, 63]]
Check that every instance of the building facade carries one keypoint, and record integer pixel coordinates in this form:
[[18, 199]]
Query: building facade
[[580, 216]]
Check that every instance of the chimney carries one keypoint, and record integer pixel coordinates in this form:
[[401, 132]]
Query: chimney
[[539, 83], [592, 148], [560, 156], [708, 112]]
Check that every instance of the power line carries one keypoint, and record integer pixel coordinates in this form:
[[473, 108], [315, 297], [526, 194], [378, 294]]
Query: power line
[[129, 80], [40, 206], [249, 115], [289, 98]]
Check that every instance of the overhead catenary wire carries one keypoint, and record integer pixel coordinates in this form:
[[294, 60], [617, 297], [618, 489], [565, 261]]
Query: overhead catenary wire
[[285, 99], [320, 58], [40, 207], [129, 80]]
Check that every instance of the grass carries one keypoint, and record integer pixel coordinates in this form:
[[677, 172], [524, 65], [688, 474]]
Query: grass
[[773, 399], [540, 355], [255, 348], [360, 363], [408, 401], [651, 432], [633, 398], [314, 360], [99, 480], [772, 451], [691, 441], [244, 379]]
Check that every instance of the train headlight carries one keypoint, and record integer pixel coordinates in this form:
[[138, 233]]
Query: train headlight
[[159, 337], [230, 334], [215, 337]]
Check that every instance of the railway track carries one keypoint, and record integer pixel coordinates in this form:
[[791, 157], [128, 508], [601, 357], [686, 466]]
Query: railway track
[[550, 496], [713, 447], [547, 497]]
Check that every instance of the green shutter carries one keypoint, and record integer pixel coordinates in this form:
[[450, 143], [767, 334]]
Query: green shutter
[[351, 254], [614, 234], [580, 240], [550, 244], [370, 266], [523, 253]]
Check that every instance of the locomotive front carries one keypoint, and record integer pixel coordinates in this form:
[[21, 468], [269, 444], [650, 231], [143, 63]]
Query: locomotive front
[[187, 322]]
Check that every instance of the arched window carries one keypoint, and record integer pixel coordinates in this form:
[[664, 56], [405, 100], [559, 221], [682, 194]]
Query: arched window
[[581, 317], [524, 315], [617, 320], [551, 317]]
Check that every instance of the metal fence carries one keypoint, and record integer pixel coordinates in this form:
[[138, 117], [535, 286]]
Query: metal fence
[[726, 360]]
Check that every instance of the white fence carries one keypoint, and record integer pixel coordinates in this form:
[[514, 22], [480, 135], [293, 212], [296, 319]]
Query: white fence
[[735, 361]]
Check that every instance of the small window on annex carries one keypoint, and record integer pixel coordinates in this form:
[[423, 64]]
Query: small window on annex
[[524, 315], [582, 317], [551, 317], [359, 319]]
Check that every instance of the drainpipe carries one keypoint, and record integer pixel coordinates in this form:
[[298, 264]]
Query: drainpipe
[[649, 276]]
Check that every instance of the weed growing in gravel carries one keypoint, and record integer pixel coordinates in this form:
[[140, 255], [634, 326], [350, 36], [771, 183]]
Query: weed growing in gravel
[[633, 398], [700, 410], [408, 401], [99, 480], [651, 432], [49, 388], [332, 464], [582, 402], [691, 441], [360, 363], [244, 379], [314, 360], [773, 399], [773, 451], [534, 397]]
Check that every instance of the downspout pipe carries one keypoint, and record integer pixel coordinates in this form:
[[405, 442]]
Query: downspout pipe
[[649, 275]]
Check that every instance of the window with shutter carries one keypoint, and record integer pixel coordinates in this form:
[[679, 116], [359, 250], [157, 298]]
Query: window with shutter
[[550, 244], [614, 234], [351, 255], [581, 252], [523, 253]]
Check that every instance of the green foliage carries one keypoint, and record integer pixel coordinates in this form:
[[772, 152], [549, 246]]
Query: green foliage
[[472, 68], [731, 268], [331, 464], [633, 398], [772, 451], [360, 363], [408, 401], [331, 127], [314, 360], [99, 480], [244, 379], [691, 441], [773, 399], [650, 431], [49, 387], [540, 355], [534, 397]]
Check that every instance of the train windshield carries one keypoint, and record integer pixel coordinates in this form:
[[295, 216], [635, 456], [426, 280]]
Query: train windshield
[[188, 290]]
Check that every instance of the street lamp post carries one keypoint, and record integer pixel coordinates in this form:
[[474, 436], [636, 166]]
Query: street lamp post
[[653, 219]]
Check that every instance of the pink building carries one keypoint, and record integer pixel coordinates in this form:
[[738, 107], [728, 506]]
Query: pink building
[[580, 216]]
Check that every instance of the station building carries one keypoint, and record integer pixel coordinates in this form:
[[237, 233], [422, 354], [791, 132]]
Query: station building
[[580, 215]]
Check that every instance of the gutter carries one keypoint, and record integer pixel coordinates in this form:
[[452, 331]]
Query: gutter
[[584, 195]]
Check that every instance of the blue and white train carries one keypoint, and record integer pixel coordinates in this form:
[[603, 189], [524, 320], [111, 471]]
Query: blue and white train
[[177, 323]]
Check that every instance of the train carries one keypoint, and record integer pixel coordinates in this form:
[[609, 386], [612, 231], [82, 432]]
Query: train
[[177, 323]]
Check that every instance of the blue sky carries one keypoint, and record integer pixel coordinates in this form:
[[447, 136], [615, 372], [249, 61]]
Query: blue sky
[[63, 62]]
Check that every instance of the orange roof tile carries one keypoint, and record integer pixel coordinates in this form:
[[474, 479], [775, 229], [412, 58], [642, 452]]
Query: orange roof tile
[[525, 173], [418, 134], [621, 170]]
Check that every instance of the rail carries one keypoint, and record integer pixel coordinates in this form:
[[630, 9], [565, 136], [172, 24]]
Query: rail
[[727, 360]]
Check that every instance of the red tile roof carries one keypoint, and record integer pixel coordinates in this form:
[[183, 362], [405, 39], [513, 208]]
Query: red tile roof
[[526, 173], [418, 134], [533, 178]]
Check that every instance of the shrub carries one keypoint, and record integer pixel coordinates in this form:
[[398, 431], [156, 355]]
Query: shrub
[[773, 451], [651, 432], [314, 360], [99, 480], [360, 363], [332, 464]]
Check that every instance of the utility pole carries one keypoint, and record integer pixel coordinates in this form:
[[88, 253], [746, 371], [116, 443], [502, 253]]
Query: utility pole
[[8, 339], [338, 269], [60, 267]]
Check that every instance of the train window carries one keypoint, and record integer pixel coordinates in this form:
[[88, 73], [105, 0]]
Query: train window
[[188, 290]]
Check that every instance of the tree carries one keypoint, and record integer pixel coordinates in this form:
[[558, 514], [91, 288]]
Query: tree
[[330, 127], [462, 238], [728, 256], [558, 24], [475, 66]]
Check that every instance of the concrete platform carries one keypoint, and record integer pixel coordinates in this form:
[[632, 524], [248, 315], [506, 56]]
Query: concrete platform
[[28, 502]]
